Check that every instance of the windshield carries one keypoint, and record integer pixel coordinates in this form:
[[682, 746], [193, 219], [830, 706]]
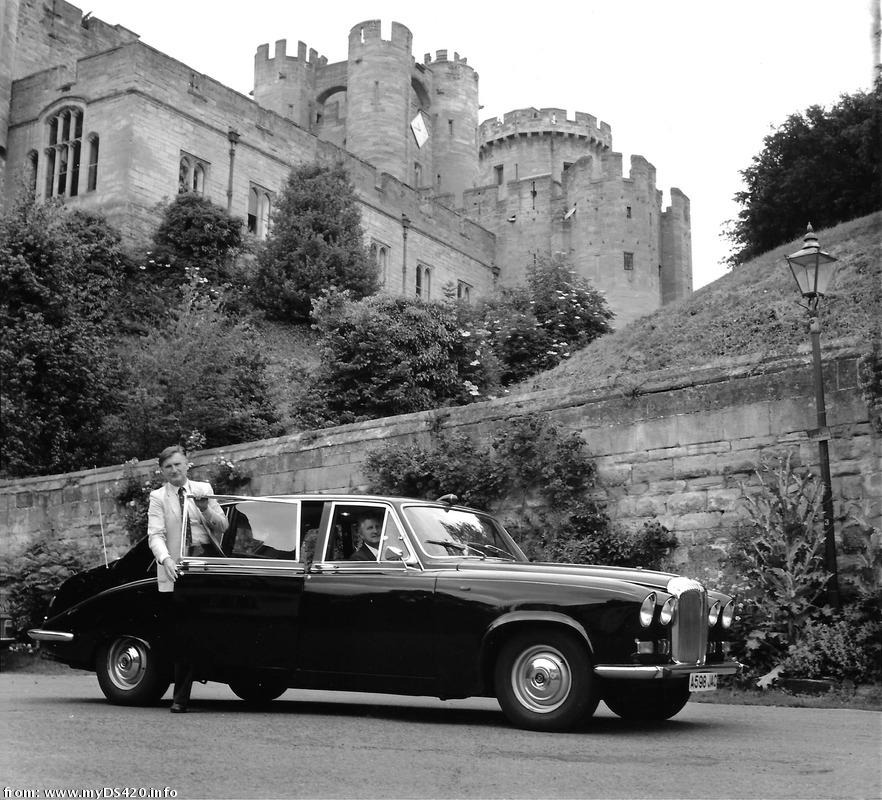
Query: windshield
[[451, 532]]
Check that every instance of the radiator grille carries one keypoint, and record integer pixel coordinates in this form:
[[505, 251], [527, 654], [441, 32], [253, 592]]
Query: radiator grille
[[689, 633]]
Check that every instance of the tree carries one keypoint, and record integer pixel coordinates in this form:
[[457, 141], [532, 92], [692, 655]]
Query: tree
[[821, 167], [60, 278], [199, 371], [392, 355], [315, 243], [534, 327]]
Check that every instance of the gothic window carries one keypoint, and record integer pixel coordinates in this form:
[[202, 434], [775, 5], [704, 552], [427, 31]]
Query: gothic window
[[380, 255], [628, 212], [92, 179], [65, 134], [629, 261], [499, 173], [417, 175], [192, 173], [33, 161], [463, 291], [423, 281], [260, 205]]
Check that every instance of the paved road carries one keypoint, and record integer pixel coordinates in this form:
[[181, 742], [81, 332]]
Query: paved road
[[59, 733]]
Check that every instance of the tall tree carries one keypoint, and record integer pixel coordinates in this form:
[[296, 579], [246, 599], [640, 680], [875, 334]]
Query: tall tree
[[315, 243], [60, 278], [821, 167]]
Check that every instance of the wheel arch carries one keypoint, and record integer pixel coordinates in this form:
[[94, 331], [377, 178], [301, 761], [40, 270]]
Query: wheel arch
[[507, 625]]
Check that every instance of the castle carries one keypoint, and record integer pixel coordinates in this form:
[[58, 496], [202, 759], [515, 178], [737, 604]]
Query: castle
[[90, 113]]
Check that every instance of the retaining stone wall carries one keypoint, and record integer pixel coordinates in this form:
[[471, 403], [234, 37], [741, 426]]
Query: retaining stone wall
[[679, 450]]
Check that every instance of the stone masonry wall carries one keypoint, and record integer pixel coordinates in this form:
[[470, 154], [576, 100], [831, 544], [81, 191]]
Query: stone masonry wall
[[678, 450]]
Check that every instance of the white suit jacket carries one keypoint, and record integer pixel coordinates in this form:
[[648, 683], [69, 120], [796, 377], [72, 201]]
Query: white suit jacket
[[164, 522]]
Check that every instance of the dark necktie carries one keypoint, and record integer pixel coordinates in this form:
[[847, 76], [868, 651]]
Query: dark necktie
[[188, 535]]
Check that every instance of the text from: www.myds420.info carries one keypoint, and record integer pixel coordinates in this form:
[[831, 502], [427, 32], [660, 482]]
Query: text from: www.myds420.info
[[99, 793]]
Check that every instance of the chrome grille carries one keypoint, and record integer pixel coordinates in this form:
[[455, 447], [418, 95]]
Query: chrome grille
[[689, 631]]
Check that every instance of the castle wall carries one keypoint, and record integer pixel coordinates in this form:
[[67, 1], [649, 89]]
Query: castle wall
[[682, 452], [148, 109]]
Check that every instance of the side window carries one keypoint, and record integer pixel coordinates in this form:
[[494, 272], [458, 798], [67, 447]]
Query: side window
[[262, 529], [365, 533]]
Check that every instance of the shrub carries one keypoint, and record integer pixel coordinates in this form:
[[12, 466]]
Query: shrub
[[31, 578], [775, 563]]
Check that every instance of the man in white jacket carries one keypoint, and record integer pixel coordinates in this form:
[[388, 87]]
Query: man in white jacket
[[169, 504]]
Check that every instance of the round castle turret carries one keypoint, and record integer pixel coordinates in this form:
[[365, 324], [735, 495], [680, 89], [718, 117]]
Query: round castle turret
[[378, 97], [455, 124]]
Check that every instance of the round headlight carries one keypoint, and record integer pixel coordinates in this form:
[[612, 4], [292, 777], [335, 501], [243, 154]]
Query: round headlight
[[647, 610], [668, 610], [728, 614], [714, 614]]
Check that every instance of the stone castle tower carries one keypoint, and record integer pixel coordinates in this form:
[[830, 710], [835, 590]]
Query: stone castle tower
[[445, 200]]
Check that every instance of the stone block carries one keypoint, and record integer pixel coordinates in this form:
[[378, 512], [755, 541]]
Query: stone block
[[686, 502]]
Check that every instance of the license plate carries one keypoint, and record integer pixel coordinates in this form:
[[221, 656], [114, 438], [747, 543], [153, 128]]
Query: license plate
[[702, 681]]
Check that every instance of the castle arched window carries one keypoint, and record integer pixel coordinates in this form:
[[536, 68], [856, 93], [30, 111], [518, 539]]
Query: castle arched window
[[63, 152], [463, 291], [192, 174], [423, 281], [92, 178], [260, 204], [380, 255], [31, 178], [417, 175]]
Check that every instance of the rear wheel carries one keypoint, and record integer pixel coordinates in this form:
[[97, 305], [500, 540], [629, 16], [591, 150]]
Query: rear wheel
[[131, 672], [254, 689], [544, 680], [658, 701]]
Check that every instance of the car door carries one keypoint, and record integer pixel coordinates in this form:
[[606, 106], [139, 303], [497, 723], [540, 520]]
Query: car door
[[242, 608], [367, 623]]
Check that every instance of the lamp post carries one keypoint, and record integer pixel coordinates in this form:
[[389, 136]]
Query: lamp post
[[813, 270]]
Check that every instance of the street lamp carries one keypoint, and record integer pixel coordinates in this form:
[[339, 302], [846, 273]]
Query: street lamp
[[813, 270]]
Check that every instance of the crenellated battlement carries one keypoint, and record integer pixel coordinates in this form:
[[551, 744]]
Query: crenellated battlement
[[280, 60], [525, 121], [441, 58], [369, 34]]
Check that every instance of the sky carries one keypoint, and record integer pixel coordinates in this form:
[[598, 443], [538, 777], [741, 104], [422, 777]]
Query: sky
[[694, 86]]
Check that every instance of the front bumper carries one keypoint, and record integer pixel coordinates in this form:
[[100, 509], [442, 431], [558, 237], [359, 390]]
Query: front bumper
[[41, 635], [643, 672]]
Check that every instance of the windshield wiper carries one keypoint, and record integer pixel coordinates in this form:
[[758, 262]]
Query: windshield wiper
[[462, 548], [480, 547]]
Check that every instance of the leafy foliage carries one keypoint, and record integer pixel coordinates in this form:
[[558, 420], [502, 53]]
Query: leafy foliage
[[31, 578], [534, 327], [821, 167], [390, 355], [531, 457], [60, 276], [775, 564], [315, 243], [199, 371]]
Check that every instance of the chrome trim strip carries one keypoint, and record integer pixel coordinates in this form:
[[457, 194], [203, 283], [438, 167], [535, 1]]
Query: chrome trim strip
[[40, 635], [657, 671]]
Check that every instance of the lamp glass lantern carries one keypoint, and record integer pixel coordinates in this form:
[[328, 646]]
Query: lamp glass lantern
[[812, 268]]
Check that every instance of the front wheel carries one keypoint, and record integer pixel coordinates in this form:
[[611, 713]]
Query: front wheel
[[658, 701], [131, 672], [258, 690], [544, 680]]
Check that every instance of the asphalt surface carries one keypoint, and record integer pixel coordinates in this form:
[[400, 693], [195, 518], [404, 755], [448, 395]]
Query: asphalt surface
[[60, 734]]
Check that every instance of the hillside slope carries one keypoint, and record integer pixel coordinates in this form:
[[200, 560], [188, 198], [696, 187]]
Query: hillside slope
[[754, 311]]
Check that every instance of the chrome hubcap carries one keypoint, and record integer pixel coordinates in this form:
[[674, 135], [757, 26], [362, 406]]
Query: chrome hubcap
[[541, 679], [127, 662]]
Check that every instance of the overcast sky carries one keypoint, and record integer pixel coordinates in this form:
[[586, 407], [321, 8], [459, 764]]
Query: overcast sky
[[692, 85]]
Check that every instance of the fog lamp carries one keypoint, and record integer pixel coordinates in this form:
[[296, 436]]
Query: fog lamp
[[645, 648]]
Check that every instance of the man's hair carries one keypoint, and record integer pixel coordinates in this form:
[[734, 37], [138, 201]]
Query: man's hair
[[166, 454]]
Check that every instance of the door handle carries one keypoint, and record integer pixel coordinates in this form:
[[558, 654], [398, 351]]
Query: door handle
[[323, 568], [187, 565]]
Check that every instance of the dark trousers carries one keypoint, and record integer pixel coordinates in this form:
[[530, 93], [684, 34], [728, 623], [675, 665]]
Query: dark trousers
[[184, 669]]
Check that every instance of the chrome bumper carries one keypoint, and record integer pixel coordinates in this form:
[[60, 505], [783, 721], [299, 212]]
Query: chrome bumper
[[643, 672], [40, 635]]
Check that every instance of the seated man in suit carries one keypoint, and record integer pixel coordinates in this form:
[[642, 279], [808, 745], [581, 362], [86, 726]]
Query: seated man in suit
[[369, 532]]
